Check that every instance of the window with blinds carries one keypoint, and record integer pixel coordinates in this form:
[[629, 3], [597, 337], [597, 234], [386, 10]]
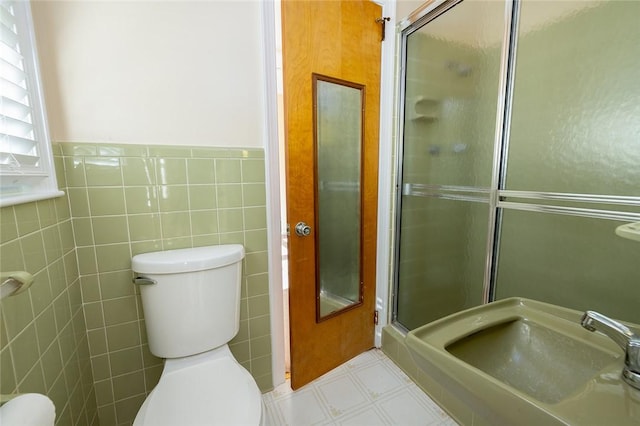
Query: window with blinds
[[26, 167]]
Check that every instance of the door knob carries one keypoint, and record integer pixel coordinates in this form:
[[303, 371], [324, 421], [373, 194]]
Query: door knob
[[302, 229]]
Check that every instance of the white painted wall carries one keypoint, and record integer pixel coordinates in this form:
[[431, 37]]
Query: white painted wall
[[404, 8], [153, 72]]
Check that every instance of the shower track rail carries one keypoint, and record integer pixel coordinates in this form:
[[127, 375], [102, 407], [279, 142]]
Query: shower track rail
[[598, 213], [447, 192], [527, 200]]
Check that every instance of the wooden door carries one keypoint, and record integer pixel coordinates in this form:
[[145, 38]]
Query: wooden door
[[339, 41]]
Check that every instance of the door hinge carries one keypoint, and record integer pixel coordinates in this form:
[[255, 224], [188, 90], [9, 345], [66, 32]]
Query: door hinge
[[375, 317], [383, 21]]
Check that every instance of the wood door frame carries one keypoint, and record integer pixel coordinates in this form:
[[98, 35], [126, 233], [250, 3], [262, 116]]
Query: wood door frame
[[274, 170]]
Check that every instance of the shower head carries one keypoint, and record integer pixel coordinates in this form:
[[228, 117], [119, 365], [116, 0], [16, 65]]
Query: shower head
[[461, 70]]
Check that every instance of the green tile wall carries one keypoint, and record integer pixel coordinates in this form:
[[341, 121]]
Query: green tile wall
[[130, 199], [43, 339]]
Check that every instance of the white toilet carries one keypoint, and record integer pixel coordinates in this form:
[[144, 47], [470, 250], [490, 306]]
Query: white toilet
[[191, 302]]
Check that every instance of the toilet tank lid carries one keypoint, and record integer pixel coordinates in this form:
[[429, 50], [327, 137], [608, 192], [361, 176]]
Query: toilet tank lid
[[187, 260]]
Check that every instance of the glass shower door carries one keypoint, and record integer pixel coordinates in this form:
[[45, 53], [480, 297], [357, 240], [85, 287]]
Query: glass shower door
[[572, 173], [451, 83], [522, 199]]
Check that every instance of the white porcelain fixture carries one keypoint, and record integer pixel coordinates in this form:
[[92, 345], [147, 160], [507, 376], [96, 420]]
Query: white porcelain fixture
[[29, 409], [191, 302]]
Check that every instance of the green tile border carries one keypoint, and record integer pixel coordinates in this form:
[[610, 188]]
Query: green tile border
[[143, 150]]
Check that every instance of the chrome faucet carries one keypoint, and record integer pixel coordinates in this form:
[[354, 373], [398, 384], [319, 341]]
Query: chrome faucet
[[624, 337]]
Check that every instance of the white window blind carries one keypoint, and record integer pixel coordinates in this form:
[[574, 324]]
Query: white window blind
[[26, 167]]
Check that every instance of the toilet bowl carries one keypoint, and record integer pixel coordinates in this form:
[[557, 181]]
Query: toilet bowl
[[206, 389], [191, 303]]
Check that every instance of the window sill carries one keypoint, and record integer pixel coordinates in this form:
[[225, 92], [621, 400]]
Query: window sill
[[28, 198]]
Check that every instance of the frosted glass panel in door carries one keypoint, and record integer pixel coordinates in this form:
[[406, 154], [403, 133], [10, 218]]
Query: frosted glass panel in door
[[338, 139], [576, 104]]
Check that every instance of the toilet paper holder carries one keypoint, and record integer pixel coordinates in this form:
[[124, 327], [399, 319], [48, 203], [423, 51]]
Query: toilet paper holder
[[12, 283]]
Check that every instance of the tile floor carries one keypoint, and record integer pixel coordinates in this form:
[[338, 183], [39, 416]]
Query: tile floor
[[367, 390]]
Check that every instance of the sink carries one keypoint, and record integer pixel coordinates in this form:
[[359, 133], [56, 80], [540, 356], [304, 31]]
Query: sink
[[520, 361], [529, 356]]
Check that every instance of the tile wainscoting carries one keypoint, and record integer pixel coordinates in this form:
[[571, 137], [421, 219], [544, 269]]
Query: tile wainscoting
[[78, 335]]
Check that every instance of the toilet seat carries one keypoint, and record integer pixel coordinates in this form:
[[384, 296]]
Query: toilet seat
[[213, 390]]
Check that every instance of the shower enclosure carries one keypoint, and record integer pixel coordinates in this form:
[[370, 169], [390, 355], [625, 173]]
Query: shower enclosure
[[519, 155]]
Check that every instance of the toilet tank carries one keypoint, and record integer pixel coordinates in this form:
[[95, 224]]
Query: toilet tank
[[190, 298]]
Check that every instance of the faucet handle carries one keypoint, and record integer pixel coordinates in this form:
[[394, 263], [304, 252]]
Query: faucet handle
[[624, 337], [631, 371], [632, 356]]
